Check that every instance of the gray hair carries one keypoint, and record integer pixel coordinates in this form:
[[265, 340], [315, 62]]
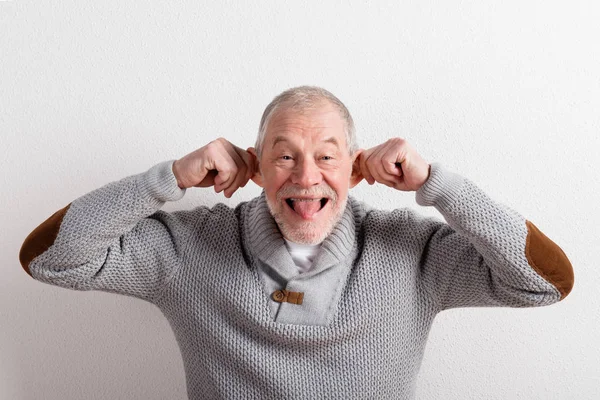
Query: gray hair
[[304, 98]]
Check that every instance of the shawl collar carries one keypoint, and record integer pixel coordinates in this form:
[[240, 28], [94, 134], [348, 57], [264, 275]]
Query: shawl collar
[[264, 240]]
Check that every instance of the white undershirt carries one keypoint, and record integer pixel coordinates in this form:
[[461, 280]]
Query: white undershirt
[[302, 254]]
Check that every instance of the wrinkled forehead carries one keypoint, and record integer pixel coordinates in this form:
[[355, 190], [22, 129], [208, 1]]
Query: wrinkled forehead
[[320, 120]]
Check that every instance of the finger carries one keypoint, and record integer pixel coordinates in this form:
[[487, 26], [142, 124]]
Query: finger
[[226, 171], [392, 168], [208, 179], [364, 169], [393, 156], [244, 172], [248, 160], [377, 169], [239, 181], [236, 163], [224, 176], [411, 178], [392, 163], [215, 166], [232, 157]]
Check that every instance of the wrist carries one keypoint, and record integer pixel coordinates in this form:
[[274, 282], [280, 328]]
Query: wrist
[[158, 184], [176, 173], [441, 188], [427, 175]]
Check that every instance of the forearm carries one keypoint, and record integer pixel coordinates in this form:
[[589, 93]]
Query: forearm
[[522, 261], [75, 243]]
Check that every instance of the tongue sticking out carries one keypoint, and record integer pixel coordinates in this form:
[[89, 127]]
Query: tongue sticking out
[[306, 209]]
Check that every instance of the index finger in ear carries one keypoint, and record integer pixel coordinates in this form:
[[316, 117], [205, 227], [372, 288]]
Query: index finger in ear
[[364, 169], [356, 155], [248, 159]]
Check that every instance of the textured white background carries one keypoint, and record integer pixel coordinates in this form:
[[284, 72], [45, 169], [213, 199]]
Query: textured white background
[[504, 92]]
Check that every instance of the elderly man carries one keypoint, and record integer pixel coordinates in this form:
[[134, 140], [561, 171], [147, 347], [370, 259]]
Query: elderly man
[[302, 292]]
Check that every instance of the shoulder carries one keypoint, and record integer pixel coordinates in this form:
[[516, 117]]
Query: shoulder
[[366, 214], [214, 218], [400, 223]]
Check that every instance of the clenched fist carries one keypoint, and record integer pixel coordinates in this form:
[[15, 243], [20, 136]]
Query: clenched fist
[[219, 164], [395, 164]]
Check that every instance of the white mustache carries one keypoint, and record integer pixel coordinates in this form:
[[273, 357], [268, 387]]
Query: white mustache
[[317, 191]]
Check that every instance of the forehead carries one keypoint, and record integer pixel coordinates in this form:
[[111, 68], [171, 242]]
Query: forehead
[[323, 122]]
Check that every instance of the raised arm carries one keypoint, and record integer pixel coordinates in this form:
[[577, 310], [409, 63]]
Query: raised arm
[[486, 254], [116, 239]]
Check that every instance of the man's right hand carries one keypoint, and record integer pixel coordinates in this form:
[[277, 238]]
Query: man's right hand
[[219, 164]]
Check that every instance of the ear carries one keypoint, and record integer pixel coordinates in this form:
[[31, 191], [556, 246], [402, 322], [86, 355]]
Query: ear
[[356, 175], [257, 177]]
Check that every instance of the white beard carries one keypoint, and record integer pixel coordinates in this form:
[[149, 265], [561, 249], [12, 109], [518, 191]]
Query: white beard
[[307, 232]]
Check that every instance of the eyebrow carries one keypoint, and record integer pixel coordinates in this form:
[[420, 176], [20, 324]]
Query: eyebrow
[[331, 140]]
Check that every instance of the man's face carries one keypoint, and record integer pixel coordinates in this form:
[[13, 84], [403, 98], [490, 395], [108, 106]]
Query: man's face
[[306, 169]]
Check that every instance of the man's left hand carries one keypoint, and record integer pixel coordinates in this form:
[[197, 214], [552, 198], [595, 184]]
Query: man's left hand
[[395, 164]]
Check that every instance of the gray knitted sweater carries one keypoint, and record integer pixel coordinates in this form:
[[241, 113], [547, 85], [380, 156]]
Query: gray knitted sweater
[[369, 300]]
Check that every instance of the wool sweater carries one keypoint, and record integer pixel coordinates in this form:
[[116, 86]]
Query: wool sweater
[[226, 283]]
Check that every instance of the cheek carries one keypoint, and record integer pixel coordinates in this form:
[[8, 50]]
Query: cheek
[[339, 181], [277, 176], [273, 181]]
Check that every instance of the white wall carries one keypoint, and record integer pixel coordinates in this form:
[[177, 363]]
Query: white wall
[[504, 92]]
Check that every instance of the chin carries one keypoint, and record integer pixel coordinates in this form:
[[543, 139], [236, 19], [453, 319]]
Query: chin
[[304, 235]]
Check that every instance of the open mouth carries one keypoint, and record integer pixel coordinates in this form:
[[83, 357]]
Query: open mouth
[[306, 208]]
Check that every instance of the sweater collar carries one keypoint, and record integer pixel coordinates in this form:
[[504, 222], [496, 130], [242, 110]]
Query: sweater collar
[[265, 241]]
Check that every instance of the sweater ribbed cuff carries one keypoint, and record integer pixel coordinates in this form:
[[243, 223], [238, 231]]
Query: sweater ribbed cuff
[[441, 188], [159, 185]]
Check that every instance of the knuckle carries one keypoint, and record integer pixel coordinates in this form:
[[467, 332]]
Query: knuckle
[[212, 146], [218, 143]]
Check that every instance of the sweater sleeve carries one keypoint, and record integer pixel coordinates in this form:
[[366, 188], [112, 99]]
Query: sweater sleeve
[[486, 254], [113, 238]]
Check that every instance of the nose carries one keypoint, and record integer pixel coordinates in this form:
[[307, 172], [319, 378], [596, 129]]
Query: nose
[[307, 173]]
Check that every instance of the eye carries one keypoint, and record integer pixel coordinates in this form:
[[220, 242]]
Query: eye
[[286, 158], [327, 158]]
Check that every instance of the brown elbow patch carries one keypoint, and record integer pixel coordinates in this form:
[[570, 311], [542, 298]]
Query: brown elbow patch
[[41, 238], [548, 260]]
